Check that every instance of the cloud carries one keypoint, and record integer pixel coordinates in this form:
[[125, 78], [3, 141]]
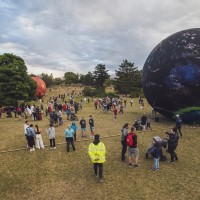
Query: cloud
[[61, 36]]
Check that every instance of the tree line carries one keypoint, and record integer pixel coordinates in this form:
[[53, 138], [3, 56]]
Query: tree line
[[16, 84], [127, 78]]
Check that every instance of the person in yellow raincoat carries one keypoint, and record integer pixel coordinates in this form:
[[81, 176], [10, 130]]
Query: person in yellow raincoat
[[97, 153]]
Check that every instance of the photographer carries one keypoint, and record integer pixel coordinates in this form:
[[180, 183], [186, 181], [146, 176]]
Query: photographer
[[172, 144]]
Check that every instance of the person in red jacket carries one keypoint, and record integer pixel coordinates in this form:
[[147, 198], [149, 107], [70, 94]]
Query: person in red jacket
[[115, 111]]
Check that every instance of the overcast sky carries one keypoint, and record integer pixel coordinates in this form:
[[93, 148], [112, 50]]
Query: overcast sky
[[57, 36]]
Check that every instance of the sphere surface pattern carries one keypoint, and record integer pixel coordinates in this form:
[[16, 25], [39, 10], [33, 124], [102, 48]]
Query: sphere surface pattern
[[41, 87], [171, 76]]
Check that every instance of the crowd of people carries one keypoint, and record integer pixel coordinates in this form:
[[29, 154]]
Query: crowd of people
[[129, 140]]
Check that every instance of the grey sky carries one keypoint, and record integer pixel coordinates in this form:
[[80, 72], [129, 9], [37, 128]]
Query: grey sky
[[56, 36]]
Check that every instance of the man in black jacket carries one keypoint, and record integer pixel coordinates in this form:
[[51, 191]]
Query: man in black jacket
[[172, 144]]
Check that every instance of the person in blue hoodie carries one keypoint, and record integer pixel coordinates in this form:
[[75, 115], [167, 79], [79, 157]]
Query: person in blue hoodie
[[75, 128]]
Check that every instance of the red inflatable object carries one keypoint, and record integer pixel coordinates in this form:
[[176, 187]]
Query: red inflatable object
[[41, 87]]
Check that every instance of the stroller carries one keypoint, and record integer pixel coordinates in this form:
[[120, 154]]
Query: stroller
[[73, 117], [162, 143]]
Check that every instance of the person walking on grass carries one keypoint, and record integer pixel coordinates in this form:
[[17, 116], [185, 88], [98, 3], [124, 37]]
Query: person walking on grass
[[124, 132], [83, 127], [115, 111], [91, 123], [97, 153], [69, 134], [133, 151], [31, 137], [52, 133], [38, 140]]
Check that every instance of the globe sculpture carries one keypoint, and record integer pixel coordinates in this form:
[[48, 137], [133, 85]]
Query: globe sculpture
[[41, 87], [171, 76]]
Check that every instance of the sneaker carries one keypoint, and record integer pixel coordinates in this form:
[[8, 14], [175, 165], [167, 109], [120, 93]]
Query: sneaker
[[33, 149], [51, 148], [54, 148], [124, 161], [100, 180], [130, 165]]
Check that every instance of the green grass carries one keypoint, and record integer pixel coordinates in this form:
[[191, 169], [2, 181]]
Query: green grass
[[54, 174]]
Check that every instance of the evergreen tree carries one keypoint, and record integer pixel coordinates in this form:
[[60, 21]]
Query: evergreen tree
[[128, 78], [15, 84], [100, 75]]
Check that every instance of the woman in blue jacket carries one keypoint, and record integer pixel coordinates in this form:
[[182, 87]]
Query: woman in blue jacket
[[75, 128]]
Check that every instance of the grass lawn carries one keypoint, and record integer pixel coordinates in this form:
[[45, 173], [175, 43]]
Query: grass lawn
[[54, 174]]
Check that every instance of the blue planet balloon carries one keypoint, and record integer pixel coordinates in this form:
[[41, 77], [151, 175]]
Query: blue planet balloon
[[171, 76]]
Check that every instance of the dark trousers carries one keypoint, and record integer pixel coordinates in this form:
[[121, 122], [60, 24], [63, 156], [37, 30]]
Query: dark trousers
[[70, 141], [100, 167], [52, 142], [173, 153], [31, 141], [124, 148], [179, 131], [74, 135]]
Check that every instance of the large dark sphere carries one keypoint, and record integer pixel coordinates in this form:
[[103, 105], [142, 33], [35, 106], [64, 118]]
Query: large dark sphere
[[171, 76]]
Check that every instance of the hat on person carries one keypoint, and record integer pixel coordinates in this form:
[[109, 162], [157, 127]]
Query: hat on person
[[96, 136], [90, 116], [26, 121], [177, 115]]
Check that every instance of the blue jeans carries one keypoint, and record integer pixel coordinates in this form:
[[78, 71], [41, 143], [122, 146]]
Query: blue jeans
[[156, 163]]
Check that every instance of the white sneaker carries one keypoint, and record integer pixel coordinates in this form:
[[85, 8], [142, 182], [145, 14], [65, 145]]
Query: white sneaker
[[54, 148]]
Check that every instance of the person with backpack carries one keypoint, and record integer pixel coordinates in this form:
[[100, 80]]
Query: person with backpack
[[97, 153], [124, 132], [172, 144], [31, 137], [179, 124], [131, 141]]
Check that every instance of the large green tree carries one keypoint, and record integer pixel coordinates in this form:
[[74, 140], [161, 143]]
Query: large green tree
[[15, 83], [71, 77], [100, 75], [128, 78]]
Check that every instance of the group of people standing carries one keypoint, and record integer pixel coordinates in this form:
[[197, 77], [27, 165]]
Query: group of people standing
[[130, 143]]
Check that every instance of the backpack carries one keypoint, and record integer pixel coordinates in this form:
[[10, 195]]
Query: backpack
[[129, 140]]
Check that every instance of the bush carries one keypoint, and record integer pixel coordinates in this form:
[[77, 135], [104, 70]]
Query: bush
[[136, 93]]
